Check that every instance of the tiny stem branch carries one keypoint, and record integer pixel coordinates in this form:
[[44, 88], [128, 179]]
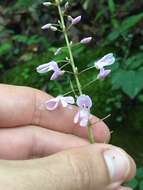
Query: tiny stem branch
[[86, 70], [64, 65]]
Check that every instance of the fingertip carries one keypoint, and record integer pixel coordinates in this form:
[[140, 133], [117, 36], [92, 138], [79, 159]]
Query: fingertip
[[132, 169]]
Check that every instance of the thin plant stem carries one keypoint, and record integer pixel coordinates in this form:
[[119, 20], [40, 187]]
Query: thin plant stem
[[72, 87], [91, 82], [75, 71], [74, 68], [91, 134], [84, 87]]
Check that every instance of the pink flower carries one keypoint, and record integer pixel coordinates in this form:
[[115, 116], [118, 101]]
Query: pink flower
[[84, 103], [103, 73], [51, 66], [55, 102], [86, 40], [108, 59]]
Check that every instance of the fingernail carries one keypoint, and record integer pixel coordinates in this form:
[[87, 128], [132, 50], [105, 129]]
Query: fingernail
[[118, 164], [124, 188]]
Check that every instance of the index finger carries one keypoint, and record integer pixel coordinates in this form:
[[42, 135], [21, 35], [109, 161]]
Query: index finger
[[22, 106]]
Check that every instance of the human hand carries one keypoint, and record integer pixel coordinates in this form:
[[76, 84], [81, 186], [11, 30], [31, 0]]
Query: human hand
[[29, 131]]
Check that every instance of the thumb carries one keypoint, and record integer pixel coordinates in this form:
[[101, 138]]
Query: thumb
[[92, 167]]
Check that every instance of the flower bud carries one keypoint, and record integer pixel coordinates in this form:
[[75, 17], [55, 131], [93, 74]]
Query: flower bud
[[76, 20], [47, 4], [53, 28], [86, 40], [67, 6], [47, 26]]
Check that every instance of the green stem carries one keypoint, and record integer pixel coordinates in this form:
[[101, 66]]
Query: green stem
[[91, 134], [75, 71], [74, 68]]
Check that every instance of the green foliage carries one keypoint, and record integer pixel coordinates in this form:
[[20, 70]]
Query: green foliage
[[124, 27], [131, 82], [27, 40], [135, 61], [133, 184], [111, 5], [25, 4], [137, 182], [5, 48]]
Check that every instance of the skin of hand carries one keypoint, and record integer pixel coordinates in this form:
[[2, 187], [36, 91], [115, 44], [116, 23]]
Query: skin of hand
[[64, 158]]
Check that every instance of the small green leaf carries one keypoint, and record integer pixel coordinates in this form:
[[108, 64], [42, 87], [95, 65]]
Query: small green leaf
[[135, 61], [130, 22], [131, 82], [113, 36], [111, 5]]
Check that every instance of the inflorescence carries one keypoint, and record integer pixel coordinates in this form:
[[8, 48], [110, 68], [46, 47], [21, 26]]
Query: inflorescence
[[83, 102]]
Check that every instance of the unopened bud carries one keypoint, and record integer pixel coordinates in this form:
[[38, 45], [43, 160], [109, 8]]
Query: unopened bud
[[47, 4], [76, 20], [47, 26], [66, 6], [86, 40], [53, 28]]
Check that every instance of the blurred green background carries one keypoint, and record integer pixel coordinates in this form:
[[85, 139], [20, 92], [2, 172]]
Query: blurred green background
[[116, 26]]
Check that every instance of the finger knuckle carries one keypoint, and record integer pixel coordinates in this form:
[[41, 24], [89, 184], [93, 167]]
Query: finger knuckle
[[81, 170]]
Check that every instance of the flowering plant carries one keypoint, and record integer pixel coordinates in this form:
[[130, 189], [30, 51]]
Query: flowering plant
[[83, 102]]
